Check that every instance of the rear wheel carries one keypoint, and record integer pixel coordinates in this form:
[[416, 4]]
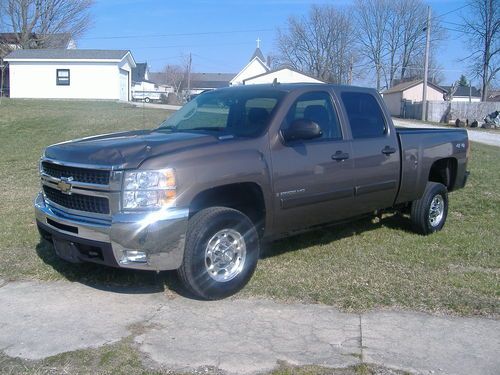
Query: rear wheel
[[221, 253], [147, 100], [428, 214]]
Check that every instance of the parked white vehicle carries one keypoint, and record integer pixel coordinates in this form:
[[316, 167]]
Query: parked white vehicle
[[147, 96]]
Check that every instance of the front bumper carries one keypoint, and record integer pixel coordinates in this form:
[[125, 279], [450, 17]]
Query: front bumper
[[160, 235]]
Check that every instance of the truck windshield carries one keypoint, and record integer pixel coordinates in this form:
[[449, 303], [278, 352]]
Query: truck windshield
[[238, 112]]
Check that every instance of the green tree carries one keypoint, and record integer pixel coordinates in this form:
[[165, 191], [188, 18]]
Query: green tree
[[463, 81]]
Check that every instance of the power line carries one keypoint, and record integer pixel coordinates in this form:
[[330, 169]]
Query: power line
[[175, 34], [190, 45], [452, 11]]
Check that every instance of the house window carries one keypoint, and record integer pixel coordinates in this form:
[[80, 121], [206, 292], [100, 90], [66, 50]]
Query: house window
[[62, 77]]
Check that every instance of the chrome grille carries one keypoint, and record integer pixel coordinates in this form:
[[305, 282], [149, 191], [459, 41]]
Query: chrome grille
[[89, 176], [88, 203]]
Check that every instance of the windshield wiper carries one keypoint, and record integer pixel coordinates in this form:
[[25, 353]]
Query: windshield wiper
[[187, 130], [206, 128]]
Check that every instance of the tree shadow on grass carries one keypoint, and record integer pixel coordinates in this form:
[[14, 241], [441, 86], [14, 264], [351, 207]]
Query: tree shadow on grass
[[335, 232], [128, 281]]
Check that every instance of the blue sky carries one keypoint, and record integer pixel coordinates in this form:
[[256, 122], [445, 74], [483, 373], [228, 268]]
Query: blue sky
[[221, 34]]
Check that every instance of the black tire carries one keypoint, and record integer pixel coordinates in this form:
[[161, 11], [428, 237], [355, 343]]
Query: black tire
[[202, 227], [423, 221], [147, 100]]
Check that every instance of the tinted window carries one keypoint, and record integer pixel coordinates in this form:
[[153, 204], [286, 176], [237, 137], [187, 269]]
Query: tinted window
[[365, 115], [239, 112], [316, 107]]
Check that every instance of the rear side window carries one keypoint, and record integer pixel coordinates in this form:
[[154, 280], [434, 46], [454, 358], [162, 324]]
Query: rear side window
[[364, 114]]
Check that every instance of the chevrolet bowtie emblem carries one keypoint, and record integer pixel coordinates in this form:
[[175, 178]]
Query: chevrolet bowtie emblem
[[65, 185]]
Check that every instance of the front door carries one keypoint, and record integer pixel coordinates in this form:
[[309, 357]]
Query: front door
[[312, 180]]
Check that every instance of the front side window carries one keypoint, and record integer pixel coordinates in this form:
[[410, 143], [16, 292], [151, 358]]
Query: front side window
[[365, 115], [316, 107], [62, 77], [237, 112]]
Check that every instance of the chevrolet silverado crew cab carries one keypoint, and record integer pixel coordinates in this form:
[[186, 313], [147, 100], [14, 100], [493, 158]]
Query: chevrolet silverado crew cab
[[237, 166]]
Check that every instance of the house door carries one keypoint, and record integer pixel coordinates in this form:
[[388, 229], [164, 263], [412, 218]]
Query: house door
[[124, 85]]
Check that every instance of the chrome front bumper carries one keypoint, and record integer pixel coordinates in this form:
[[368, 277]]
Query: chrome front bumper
[[160, 234]]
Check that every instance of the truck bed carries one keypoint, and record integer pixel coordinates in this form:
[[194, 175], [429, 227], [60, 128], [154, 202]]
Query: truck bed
[[420, 148]]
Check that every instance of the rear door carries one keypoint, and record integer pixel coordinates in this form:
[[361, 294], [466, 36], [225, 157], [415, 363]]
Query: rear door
[[375, 151], [313, 178]]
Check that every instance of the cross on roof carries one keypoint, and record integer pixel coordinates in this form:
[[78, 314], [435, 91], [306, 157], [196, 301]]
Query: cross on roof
[[258, 42]]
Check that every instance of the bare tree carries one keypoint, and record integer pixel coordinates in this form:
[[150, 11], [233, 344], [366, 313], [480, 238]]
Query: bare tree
[[321, 44], [391, 38], [483, 28], [372, 20], [174, 76], [33, 22]]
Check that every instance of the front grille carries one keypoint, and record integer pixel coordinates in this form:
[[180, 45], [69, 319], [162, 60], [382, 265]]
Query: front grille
[[89, 176], [79, 202]]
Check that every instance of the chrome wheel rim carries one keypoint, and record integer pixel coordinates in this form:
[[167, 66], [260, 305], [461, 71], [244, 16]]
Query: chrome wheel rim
[[225, 255], [436, 211]]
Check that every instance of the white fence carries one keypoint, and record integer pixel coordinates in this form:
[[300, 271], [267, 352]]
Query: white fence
[[449, 111]]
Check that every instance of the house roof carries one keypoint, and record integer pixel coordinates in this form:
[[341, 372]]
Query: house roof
[[219, 77], [403, 86], [58, 40], [258, 53], [139, 72], [198, 80], [208, 84], [67, 54], [279, 69], [464, 91]]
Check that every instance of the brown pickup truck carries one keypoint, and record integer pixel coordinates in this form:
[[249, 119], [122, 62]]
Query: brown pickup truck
[[237, 166]]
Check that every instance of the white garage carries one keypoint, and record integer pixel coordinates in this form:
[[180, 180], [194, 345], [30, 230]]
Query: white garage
[[70, 74]]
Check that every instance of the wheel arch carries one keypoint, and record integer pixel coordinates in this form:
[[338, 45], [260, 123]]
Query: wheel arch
[[444, 171], [247, 197]]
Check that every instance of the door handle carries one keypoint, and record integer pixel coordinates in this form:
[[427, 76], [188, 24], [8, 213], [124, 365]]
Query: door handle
[[340, 156], [388, 150]]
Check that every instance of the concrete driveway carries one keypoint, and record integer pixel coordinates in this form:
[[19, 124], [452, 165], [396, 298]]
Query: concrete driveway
[[240, 336]]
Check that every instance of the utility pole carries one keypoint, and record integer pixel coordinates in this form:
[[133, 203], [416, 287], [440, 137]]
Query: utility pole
[[351, 63], [426, 63], [2, 70], [189, 76]]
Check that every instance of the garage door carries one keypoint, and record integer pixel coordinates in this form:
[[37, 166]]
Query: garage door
[[123, 85]]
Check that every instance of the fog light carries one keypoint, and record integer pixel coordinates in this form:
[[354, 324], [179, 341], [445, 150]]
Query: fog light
[[134, 256]]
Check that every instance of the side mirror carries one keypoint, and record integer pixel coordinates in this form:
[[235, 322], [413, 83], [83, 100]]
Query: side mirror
[[302, 129]]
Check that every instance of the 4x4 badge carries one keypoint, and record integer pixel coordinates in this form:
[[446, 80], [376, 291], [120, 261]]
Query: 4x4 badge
[[65, 185]]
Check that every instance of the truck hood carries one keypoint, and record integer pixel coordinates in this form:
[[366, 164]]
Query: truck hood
[[124, 150]]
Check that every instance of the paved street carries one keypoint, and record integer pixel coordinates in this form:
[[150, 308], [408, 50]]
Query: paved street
[[41, 319]]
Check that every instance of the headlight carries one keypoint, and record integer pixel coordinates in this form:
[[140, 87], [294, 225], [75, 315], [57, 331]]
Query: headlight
[[148, 189]]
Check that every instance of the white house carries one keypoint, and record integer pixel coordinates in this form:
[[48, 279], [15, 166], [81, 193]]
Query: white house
[[255, 67], [70, 74], [281, 75], [411, 91], [257, 71]]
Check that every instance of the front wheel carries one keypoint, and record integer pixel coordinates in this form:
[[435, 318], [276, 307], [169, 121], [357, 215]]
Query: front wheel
[[147, 100], [428, 214], [221, 253]]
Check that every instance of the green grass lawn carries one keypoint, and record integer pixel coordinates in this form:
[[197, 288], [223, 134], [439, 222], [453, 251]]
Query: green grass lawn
[[363, 265]]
